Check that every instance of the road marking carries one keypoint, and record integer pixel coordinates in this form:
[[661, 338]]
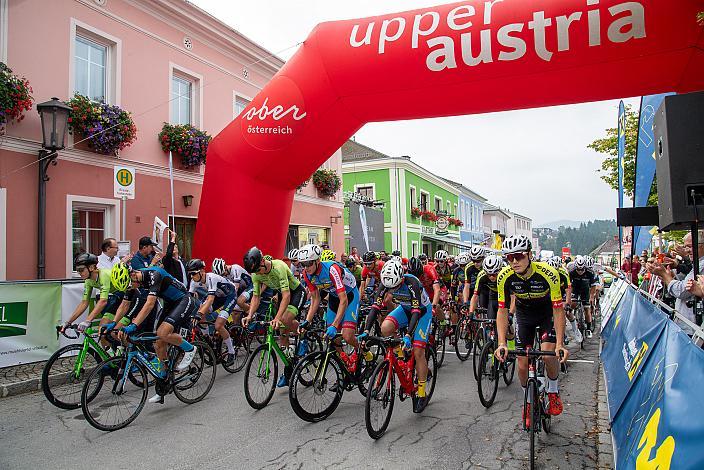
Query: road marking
[[581, 361]]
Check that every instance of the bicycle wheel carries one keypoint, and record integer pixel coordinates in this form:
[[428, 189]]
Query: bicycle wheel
[[488, 381], [463, 345], [63, 378], [440, 344], [116, 401], [431, 379], [241, 343], [379, 404], [261, 373], [534, 419], [477, 350], [509, 369], [309, 391], [193, 384]]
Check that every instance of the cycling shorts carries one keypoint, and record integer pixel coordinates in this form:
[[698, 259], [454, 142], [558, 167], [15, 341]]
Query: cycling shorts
[[180, 315], [581, 295], [525, 332], [400, 318], [298, 299], [351, 312]]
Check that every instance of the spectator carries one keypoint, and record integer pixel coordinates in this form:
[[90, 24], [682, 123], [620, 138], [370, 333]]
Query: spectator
[[678, 287], [355, 255], [631, 269], [343, 258], [173, 263], [146, 254], [108, 258]]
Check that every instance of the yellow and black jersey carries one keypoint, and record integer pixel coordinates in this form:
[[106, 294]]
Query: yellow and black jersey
[[541, 290], [484, 284], [565, 281]]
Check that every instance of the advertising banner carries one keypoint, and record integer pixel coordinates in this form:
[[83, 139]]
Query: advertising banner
[[621, 300], [661, 423], [28, 315], [71, 296], [366, 228], [636, 328]]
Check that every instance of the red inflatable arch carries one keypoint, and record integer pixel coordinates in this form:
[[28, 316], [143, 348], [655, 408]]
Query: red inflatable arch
[[462, 58]]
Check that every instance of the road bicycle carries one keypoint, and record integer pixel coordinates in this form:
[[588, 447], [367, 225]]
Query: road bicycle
[[382, 392], [241, 341], [110, 401], [320, 378], [489, 369]]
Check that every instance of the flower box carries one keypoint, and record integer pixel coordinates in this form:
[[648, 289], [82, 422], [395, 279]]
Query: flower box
[[15, 96], [107, 129], [327, 182], [187, 141]]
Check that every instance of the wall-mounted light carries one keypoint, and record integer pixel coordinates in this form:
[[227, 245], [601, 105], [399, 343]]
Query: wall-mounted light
[[188, 200], [335, 219]]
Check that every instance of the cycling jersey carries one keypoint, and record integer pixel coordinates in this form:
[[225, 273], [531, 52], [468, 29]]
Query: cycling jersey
[[163, 285], [470, 277], [444, 273], [297, 270], [581, 284], [457, 281], [239, 277], [410, 294], [564, 280], [103, 284], [487, 294], [538, 293], [332, 277], [428, 279], [279, 278], [375, 273], [138, 297], [224, 291]]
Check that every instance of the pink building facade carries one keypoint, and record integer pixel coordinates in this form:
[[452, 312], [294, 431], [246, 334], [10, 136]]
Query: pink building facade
[[164, 61]]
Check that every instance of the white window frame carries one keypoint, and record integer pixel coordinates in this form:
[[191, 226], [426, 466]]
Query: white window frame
[[414, 249], [196, 93], [435, 203], [448, 205], [367, 185], [113, 61], [413, 193], [236, 95], [427, 198], [3, 234], [110, 224], [4, 14], [455, 213]]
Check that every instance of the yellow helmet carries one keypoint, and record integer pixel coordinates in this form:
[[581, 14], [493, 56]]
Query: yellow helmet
[[120, 277], [328, 255]]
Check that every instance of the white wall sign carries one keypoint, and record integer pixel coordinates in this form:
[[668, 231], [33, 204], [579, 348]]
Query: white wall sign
[[123, 182]]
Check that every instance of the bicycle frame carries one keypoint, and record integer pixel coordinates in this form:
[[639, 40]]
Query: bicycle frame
[[88, 343], [406, 381]]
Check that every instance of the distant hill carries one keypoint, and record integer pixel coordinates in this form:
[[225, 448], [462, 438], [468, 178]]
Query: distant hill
[[561, 223], [583, 238]]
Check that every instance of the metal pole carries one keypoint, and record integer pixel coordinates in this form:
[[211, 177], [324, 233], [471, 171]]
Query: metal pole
[[124, 218], [173, 207], [695, 266], [44, 162]]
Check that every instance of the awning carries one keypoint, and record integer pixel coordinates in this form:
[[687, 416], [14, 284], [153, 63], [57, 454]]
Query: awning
[[447, 240]]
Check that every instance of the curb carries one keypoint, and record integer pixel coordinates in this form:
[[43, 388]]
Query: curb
[[605, 451], [18, 388]]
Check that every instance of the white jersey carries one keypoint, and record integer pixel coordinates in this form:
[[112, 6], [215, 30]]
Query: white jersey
[[214, 285], [238, 276]]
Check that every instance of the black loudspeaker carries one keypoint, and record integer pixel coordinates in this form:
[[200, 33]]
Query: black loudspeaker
[[679, 153]]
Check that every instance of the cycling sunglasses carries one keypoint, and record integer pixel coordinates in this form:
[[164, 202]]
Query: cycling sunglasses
[[515, 257], [307, 264]]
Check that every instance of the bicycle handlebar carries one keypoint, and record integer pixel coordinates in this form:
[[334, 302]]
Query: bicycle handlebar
[[69, 327], [530, 353]]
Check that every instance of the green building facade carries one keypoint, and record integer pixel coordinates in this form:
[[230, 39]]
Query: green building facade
[[402, 185]]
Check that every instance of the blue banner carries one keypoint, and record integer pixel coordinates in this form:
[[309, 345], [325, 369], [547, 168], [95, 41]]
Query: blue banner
[[645, 164], [621, 149], [661, 423], [623, 300], [635, 328]]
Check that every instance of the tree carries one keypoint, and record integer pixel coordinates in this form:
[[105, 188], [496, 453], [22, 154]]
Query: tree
[[609, 167]]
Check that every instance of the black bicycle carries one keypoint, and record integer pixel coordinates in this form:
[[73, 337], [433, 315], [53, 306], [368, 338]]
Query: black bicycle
[[489, 369]]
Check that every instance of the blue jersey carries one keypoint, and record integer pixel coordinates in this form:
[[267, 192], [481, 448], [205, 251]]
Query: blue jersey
[[410, 295], [163, 285], [332, 277]]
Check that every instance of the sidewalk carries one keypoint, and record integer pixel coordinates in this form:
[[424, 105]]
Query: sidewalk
[[605, 451], [21, 379]]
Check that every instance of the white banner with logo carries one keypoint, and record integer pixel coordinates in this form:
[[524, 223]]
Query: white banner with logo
[[71, 296]]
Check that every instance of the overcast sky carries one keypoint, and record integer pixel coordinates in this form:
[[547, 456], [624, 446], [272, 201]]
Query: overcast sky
[[502, 156]]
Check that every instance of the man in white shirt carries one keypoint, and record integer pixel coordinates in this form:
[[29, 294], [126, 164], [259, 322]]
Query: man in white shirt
[[108, 258]]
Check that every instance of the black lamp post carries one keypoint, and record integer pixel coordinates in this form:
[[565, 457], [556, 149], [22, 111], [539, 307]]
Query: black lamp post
[[54, 117]]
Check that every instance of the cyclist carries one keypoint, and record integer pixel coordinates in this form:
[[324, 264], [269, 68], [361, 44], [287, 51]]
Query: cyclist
[[471, 272], [457, 283], [583, 290], [275, 274], [355, 269], [328, 255], [428, 278], [295, 266], [370, 272], [221, 297], [414, 311], [404, 261], [233, 273], [536, 287], [109, 300], [486, 293], [442, 267], [566, 289]]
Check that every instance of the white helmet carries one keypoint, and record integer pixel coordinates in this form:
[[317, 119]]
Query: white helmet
[[462, 259], [590, 262], [476, 253], [440, 255], [309, 253], [396, 258], [293, 254], [516, 244], [555, 262], [492, 264], [219, 266], [391, 274], [580, 262]]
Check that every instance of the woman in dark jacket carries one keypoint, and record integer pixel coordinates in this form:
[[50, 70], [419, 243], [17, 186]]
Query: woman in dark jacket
[[173, 263]]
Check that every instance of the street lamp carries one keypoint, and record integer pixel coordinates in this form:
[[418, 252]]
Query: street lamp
[[54, 117]]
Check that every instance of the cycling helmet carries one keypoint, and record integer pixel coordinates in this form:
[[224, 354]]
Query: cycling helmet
[[516, 244], [310, 253], [268, 257], [415, 266], [293, 254], [476, 253], [492, 264], [396, 253], [555, 262], [219, 266], [328, 255], [590, 262], [350, 263], [252, 260], [580, 262], [120, 277], [195, 265], [423, 257], [397, 258], [391, 274], [441, 255], [85, 259], [462, 259], [369, 257]]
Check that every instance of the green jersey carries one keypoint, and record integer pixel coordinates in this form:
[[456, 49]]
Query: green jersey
[[280, 278], [103, 284]]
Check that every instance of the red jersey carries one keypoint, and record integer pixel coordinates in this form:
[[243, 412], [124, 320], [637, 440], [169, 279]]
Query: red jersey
[[376, 273], [429, 278]]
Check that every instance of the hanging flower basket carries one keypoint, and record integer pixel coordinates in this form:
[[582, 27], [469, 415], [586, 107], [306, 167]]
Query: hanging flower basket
[[455, 222], [429, 216], [108, 129], [327, 182], [416, 212], [187, 141], [15, 96]]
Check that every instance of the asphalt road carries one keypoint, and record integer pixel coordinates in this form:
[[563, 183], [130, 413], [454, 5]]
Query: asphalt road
[[222, 431]]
